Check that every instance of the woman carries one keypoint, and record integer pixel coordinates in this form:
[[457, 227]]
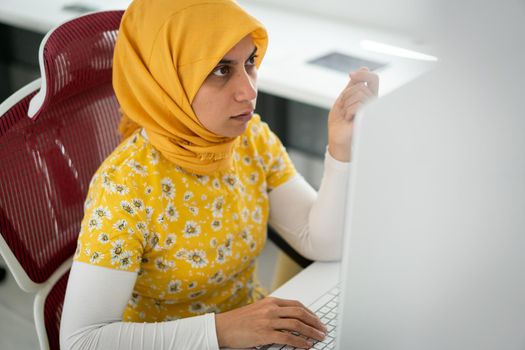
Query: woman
[[177, 214]]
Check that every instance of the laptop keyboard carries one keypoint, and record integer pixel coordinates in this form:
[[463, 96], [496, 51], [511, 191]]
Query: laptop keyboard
[[326, 309]]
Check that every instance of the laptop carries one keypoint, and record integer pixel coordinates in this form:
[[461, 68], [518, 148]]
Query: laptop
[[435, 234]]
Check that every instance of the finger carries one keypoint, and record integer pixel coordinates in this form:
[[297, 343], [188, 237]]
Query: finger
[[292, 303], [290, 339], [370, 78], [353, 81], [351, 110], [358, 72], [339, 103], [289, 302], [358, 96], [356, 87], [362, 69], [359, 88], [373, 83], [293, 325], [351, 96], [303, 315]]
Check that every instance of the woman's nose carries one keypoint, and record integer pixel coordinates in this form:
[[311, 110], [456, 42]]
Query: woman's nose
[[245, 87]]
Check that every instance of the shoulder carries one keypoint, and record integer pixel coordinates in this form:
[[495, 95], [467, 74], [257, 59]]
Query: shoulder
[[135, 154], [133, 159]]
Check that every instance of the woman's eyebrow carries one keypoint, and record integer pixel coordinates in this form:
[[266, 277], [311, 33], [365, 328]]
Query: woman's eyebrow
[[227, 61]]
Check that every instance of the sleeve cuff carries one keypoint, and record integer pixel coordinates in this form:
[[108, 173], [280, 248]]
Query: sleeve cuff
[[335, 164], [213, 342]]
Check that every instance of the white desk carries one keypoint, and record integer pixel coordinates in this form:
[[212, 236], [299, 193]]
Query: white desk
[[294, 39], [41, 16], [309, 284]]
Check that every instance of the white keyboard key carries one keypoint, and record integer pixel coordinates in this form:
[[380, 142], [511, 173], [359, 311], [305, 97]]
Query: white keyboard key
[[324, 310], [326, 298], [330, 315], [319, 346]]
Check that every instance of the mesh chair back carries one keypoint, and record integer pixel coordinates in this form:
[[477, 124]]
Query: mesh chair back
[[78, 55], [53, 311], [47, 162]]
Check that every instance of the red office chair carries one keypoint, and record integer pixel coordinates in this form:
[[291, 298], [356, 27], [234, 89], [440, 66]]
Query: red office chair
[[54, 134]]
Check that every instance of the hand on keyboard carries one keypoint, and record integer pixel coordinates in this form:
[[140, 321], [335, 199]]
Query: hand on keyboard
[[270, 320], [326, 309]]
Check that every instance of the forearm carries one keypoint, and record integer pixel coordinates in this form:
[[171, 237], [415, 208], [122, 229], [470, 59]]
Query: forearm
[[190, 333], [92, 317], [327, 216], [313, 223]]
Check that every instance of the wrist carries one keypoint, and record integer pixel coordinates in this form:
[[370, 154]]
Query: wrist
[[341, 153], [220, 330]]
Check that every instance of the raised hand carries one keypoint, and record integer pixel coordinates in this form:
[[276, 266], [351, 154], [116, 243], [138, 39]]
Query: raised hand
[[363, 86], [270, 320]]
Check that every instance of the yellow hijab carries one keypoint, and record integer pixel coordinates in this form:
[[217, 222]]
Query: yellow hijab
[[165, 50]]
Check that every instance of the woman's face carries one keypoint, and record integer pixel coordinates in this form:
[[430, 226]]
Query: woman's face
[[225, 101]]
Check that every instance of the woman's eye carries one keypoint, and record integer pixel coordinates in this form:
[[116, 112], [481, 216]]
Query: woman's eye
[[251, 61], [221, 71]]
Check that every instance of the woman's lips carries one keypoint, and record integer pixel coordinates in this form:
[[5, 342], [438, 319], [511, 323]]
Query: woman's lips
[[243, 117]]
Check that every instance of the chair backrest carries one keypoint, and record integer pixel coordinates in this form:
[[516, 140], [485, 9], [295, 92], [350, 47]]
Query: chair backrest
[[47, 160], [49, 306]]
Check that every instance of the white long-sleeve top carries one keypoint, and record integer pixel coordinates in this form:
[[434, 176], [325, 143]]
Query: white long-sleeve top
[[312, 223]]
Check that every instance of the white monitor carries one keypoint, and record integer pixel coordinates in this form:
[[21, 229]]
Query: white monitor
[[434, 252]]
